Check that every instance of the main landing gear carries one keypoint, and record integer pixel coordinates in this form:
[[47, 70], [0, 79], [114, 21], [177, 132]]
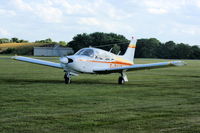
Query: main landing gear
[[67, 78], [123, 78]]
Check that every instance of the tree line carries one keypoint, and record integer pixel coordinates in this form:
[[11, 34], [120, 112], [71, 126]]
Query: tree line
[[153, 48], [146, 48], [17, 40], [101, 40], [12, 40]]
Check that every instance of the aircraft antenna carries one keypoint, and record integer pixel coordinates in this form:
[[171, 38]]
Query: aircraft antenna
[[110, 44], [118, 52], [110, 50]]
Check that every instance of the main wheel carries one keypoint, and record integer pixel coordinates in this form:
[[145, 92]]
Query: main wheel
[[67, 79], [121, 80]]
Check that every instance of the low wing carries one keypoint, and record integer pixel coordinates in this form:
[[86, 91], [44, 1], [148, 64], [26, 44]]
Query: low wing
[[37, 61], [139, 67]]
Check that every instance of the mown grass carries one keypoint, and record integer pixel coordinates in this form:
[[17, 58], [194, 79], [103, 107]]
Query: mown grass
[[34, 98]]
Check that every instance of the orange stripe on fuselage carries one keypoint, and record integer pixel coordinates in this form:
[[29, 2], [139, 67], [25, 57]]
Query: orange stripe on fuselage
[[113, 62]]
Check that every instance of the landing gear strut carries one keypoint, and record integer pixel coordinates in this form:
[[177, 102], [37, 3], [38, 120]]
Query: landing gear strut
[[123, 78], [67, 78]]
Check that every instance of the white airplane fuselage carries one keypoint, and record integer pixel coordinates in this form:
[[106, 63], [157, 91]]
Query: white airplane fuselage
[[100, 59]]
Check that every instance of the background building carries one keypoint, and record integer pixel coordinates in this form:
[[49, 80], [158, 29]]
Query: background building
[[52, 51]]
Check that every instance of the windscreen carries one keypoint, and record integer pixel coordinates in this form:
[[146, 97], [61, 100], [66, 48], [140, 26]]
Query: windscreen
[[86, 52]]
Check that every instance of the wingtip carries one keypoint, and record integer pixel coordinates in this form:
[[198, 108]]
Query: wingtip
[[179, 63], [14, 57]]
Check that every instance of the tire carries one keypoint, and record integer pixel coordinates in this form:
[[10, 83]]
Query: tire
[[121, 80], [67, 80]]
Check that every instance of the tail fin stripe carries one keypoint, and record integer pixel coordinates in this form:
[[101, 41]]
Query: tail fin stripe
[[132, 46]]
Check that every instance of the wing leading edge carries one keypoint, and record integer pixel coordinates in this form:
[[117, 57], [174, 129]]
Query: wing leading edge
[[140, 67], [37, 61]]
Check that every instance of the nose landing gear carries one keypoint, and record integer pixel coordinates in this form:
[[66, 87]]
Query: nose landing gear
[[67, 78]]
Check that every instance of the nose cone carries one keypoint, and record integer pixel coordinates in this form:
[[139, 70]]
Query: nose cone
[[74, 63], [64, 60]]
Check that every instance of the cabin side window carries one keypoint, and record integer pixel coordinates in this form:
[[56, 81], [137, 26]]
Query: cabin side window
[[103, 56]]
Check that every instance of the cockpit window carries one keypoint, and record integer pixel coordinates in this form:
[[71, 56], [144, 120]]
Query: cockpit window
[[86, 52], [103, 56]]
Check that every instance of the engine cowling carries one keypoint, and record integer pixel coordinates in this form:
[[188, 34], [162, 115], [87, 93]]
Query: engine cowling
[[65, 60]]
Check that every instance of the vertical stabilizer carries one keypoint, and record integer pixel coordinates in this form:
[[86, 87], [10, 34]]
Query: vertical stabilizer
[[130, 52]]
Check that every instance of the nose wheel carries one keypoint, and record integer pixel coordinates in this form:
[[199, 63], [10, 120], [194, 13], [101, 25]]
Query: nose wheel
[[67, 78]]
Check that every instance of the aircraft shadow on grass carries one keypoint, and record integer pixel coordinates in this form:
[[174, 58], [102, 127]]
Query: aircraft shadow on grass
[[29, 81], [49, 81]]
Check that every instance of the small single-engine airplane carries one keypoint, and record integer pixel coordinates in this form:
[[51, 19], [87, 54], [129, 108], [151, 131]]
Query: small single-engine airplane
[[97, 61]]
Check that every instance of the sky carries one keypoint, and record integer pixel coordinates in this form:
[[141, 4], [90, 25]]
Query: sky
[[61, 20]]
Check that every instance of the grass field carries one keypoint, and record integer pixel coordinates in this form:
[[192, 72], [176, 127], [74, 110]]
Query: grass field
[[34, 99]]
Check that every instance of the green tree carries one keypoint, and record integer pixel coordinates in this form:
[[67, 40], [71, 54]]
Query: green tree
[[116, 49], [151, 47], [14, 39], [147, 48], [22, 41], [98, 39], [139, 48], [80, 41], [195, 52], [48, 40], [182, 51], [166, 50], [4, 40], [63, 43]]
